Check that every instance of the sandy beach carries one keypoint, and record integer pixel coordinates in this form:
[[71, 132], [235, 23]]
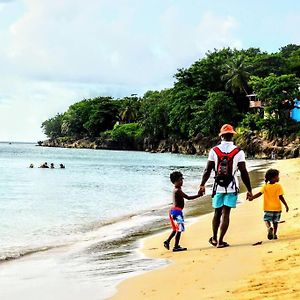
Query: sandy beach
[[269, 270]]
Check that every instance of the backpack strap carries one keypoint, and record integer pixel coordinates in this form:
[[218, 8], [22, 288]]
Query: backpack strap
[[218, 151], [233, 152], [230, 155], [219, 155]]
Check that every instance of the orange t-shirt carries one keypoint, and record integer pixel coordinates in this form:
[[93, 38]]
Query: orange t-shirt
[[271, 196]]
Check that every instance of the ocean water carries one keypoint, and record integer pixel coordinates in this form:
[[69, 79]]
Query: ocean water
[[73, 233], [82, 223]]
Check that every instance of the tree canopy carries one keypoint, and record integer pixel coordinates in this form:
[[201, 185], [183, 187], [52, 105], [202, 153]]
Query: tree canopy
[[209, 93]]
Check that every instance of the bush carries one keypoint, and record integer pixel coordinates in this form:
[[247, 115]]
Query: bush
[[252, 122], [130, 132], [270, 125], [276, 127]]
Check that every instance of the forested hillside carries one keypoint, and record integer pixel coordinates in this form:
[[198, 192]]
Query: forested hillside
[[212, 91]]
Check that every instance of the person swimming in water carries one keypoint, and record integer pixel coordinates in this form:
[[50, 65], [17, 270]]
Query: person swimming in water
[[44, 165]]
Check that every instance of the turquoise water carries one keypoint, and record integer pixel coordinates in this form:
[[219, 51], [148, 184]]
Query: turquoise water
[[52, 207], [41, 206], [75, 232], [79, 227]]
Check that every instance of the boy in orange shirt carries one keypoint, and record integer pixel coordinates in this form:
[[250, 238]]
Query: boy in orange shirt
[[273, 196]]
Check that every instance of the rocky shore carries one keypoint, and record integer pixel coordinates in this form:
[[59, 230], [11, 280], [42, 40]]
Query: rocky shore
[[255, 145]]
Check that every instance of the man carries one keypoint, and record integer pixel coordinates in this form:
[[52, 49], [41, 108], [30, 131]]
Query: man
[[225, 197]]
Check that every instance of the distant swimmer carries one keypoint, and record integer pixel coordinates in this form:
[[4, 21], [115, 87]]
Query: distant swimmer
[[52, 166], [44, 165], [31, 166], [62, 166]]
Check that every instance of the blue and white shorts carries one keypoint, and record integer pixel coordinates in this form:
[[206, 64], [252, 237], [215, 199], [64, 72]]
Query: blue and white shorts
[[272, 216]]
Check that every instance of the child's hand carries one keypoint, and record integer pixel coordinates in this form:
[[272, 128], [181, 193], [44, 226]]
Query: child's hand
[[249, 196], [201, 191]]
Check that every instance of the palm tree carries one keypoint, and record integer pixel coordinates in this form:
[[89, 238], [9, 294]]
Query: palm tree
[[237, 76], [129, 111]]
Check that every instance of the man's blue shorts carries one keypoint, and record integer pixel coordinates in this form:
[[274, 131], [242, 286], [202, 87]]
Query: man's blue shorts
[[227, 199]]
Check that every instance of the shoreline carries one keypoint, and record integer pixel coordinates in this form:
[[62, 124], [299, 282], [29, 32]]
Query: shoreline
[[255, 146], [204, 272], [54, 264]]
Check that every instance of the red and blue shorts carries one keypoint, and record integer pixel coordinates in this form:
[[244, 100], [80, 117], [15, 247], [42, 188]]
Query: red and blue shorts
[[176, 219]]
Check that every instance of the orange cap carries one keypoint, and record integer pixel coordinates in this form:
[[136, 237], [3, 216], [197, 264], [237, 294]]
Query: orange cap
[[226, 128]]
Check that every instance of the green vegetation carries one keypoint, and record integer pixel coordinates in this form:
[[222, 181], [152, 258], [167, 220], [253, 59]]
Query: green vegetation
[[125, 133], [211, 92]]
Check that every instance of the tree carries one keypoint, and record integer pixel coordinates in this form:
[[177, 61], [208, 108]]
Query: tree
[[204, 75], [270, 89], [237, 75], [217, 110], [89, 117], [103, 115], [129, 109], [205, 95], [155, 112], [74, 119], [52, 126], [287, 50], [265, 64], [293, 63]]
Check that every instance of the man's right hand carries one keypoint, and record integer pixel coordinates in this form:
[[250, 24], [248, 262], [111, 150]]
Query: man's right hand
[[201, 190], [249, 196]]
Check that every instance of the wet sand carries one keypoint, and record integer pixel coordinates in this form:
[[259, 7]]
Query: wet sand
[[270, 270]]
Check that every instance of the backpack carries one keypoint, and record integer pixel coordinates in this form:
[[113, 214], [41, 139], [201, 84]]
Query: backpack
[[224, 171]]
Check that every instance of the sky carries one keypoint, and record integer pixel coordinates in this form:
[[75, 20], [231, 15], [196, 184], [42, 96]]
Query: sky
[[54, 53]]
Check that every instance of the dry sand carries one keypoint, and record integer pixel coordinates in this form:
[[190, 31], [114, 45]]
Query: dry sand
[[270, 270]]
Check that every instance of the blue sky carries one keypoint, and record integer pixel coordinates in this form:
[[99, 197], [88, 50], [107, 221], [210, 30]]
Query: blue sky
[[56, 52]]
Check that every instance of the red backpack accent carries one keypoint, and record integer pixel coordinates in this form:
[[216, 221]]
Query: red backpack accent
[[224, 175], [230, 155]]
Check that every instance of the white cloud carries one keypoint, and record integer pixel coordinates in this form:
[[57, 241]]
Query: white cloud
[[216, 32], [69, 40], [185, 42], [60, 52], [101, 42]]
